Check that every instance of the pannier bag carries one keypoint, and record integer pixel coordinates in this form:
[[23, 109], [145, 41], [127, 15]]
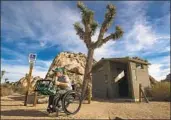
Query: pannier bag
[[45, 87]]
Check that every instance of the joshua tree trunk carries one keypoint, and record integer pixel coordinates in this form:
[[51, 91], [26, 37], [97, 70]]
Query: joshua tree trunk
[[87, 72]]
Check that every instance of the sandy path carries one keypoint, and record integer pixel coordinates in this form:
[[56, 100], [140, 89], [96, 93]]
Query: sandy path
[[12, 108]]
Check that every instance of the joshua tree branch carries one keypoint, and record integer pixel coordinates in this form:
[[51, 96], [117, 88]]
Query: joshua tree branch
[[79, 30], [88, 21], [111, 11], [118, 34]]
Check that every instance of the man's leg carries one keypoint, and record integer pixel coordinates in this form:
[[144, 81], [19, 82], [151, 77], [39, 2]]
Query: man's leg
[[56, 99], [50, 104], [51, 97]]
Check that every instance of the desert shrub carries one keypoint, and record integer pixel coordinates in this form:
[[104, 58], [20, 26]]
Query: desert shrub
[[6, 90], [161, 91], [19, 89]]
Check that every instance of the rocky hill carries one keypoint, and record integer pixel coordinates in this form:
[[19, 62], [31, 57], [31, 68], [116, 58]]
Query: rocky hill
[[74, 64], [167, 79]]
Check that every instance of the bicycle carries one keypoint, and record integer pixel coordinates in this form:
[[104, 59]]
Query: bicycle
[[71, 97]]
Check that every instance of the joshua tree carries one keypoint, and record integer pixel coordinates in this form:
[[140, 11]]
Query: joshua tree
[[87, 29]]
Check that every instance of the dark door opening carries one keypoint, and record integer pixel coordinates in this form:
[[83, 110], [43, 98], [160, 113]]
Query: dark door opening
[[123, 86]]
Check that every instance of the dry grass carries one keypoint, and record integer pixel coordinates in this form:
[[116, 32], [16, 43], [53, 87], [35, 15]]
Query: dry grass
[[8, 89], [19, 89], [161, 91]]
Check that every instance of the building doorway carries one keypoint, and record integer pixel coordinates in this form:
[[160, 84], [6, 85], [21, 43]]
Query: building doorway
[[123, 86]]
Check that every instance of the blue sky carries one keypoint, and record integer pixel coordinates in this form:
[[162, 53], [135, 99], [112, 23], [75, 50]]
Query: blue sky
[[46, 28]]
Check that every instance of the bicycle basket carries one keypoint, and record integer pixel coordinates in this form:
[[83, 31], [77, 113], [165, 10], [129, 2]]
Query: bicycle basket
[[45, 87]]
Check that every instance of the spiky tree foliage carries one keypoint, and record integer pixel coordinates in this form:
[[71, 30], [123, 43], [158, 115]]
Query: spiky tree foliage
[[88, 28]]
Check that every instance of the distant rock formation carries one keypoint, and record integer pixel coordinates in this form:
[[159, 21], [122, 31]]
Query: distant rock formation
[[74, 64], [167, 79], [23, 81]]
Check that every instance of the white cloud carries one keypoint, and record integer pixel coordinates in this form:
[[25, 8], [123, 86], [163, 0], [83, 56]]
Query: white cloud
[[121, 47], [17, 67], [50, 26], [44, 63], [141, 36], [157, 72], [105, 51], [17, 71], [160, 67]]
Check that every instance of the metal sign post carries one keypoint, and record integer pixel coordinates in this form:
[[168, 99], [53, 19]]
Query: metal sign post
[[32, 59]]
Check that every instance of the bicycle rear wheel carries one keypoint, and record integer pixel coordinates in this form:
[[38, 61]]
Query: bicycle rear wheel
[[71, 102]]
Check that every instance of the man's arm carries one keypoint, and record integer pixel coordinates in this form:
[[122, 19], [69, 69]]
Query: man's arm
[[62, 84], [67, 84]]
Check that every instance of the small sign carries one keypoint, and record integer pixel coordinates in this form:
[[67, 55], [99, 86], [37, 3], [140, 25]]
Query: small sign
[[32, 57], [120, 76]]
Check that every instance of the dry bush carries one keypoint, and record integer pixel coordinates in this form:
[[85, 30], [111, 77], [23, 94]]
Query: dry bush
[[6, 90], [19, 89], [161, 91]]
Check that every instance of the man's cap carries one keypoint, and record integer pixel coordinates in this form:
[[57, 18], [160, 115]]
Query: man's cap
[[58, 70]]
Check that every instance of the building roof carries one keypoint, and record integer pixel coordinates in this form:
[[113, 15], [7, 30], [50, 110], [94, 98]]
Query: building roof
[[123, 60]]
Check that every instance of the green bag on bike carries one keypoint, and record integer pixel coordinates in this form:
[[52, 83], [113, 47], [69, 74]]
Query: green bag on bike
[[45, 87]]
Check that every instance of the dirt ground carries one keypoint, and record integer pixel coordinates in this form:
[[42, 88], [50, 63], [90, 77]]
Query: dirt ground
[[12, 108]]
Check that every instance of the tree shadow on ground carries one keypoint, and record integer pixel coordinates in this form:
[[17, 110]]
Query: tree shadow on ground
[[5, 100], [12, 105], [22, 98], [29, 113], [17, 98], [61, 115], [118, 118], [114, 100]]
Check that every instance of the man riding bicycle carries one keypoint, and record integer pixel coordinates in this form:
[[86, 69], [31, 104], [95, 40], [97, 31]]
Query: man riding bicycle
[[64, 85]]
